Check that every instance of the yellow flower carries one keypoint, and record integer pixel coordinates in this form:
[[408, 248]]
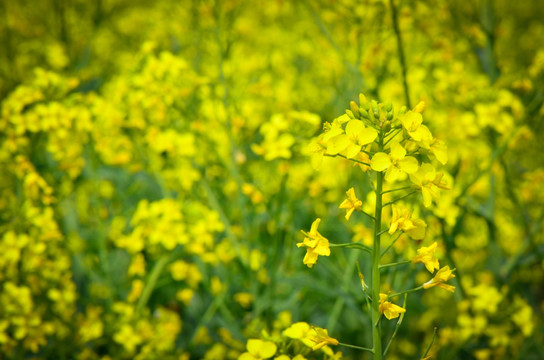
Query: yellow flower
[[389, 309], [426, 256], [429, 181], [356, 135], [441, 276], [315, 244], [258, 349], [412, 123], [394, 164], [351, 203], [402, 220], [321, 338]]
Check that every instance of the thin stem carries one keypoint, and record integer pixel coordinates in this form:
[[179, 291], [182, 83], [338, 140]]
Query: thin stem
[[367, 214], [345, 157], [406, 292], [400, 49], [430, 344], [391, 245], [152, 281], [396, 327], [399, 189], [383, 231], [354, 246], [400, 198], [392, 137], [356, 347], [376, 331], [395, 264]]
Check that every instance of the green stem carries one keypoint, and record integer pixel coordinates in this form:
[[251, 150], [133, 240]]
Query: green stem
[[376, 331], [392, 137], [350, 159], [391, 245], [353, 246], [356, 347], [395, 264], [383, 231], [399, 189], [406, 292], [430, 344], [400, 198], [152, 281], [396, 327], [400, 49]]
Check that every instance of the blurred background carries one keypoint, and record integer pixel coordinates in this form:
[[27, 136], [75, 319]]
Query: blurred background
[[155, 175]]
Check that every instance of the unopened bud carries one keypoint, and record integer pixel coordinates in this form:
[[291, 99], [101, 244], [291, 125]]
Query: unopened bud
[[350, 114], [388, 106], [375, 109], [420, 107], [387, 126], [363, 102], [354, 108], [364, 114]]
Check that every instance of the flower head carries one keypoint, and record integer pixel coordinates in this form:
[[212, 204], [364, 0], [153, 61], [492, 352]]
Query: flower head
[[321, 338], [402, 220], [351, 203], [426, 256], [395, 164], [441, 276], [389, 309], [315, 244], [258, 349]]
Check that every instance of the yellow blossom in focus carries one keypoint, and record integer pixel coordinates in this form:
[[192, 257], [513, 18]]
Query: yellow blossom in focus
[[395, 164], [441, 276], [390, 310], [351, 203], [402, 220], [426, 256], [315, 244]]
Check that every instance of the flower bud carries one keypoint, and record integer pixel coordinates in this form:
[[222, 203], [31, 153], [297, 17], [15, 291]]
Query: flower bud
[[363, 102], [354, 109], [350, 114], [364, 114], [375, 109]]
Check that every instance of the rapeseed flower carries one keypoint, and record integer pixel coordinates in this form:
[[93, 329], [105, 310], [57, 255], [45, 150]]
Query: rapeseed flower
[[390, 310], [258, 349], [315, 244], [321, 338], [394, 164], [441, 276], [402, 220], [426, 256], [351, 203]]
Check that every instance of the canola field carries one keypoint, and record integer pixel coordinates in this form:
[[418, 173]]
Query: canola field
[[242, 179]]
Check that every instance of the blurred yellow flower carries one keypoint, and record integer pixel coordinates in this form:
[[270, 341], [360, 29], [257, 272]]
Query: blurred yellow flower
[[258, 349]]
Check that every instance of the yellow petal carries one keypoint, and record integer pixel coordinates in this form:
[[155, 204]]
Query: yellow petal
[[380, 162], [354, 127], [409, 165], [337, 144], [367, 135], [397, 151]]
